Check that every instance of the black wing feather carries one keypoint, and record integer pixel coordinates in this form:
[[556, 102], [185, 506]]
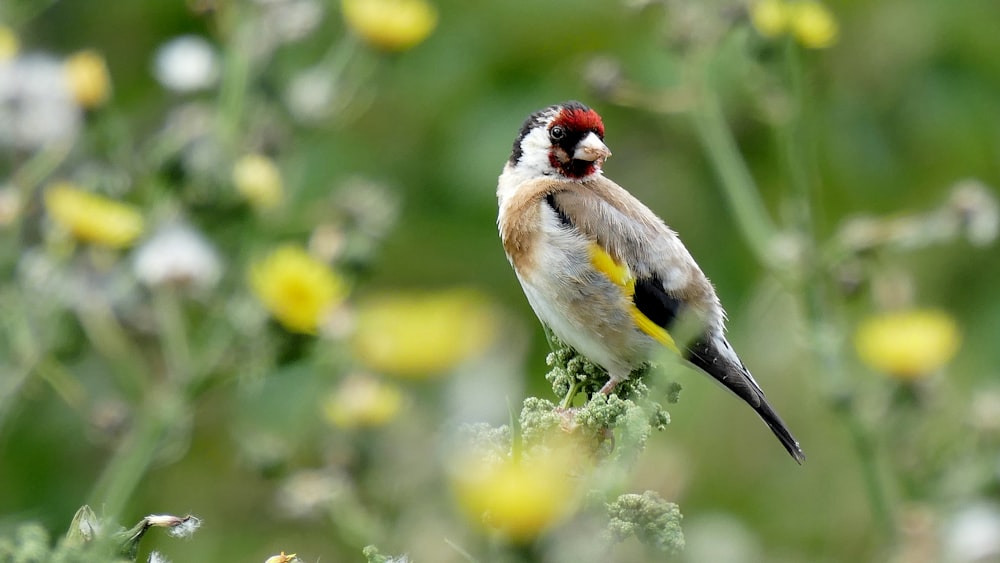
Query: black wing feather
[[653, 301]]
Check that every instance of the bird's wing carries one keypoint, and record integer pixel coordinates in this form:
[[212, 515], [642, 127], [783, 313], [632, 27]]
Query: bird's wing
[[637, 250], [665, 280]]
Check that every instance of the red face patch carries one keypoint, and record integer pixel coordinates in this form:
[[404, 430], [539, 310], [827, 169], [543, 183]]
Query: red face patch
[[580, 119]]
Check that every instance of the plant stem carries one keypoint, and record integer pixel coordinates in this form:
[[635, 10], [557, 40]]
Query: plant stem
[[863, 446], [24, 347], [737, 183], [156, 406], [794, 144], [130, 463], [108, 337], [830, 355], [799, 164], [235, 73], [461, 551], [567, 401], [759, 230], [173, 337]]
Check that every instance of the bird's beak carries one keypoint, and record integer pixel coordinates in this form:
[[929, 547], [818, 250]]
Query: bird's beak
[[591, 149]]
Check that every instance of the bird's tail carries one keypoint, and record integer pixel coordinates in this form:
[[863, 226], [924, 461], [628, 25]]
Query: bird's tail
[[777, 426], [716, 357]]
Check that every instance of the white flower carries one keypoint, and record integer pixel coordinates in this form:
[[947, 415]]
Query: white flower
[[188, 526], [311, 94], [36, 104], [157, 557], [310, 493], [177, 255], [973, 534], [290, 20], [977, 210], [189, 122], [177, 526], [186, 64], [73, 285]]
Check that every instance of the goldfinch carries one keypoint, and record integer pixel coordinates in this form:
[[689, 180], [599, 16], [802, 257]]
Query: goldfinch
[[600, 269]]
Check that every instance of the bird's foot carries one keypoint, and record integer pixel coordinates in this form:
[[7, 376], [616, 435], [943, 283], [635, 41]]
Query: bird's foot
[[609, 386]]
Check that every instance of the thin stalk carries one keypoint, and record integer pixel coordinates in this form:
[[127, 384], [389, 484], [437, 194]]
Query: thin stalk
[[794, 146], [173, 336], [461, 551], [567, 401], [865, 449], [131, 462], [737, 183], [339, 56], [799, 162], [235, 73], [27, 179], [39, 167], [831, 361], [109, 338], [20, 341], [62, 381]]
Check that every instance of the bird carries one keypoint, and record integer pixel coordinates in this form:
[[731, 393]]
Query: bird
[[602, 271]]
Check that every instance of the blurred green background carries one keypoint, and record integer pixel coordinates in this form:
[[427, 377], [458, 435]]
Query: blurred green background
[[898, 111]]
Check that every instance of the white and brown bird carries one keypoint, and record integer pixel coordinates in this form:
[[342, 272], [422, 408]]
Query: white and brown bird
[[600, 269]]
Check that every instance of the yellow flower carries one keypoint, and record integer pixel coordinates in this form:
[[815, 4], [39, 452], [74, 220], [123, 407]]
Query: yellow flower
[[770, 17], [420, 336], [9, 43], [393, 25], [810, 21], [88, 78], [907, 344], [93, 218], [258, 179], [362, 401], [296, 288], [520, 498], [282, 558], [813, 24]]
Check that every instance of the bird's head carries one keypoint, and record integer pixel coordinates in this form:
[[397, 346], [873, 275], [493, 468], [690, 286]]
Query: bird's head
[[562, 140]]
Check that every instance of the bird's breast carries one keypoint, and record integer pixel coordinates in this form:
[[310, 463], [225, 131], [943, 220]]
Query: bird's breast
[[582, 295]]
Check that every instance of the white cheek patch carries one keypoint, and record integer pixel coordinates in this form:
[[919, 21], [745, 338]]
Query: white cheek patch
[[535, 154]]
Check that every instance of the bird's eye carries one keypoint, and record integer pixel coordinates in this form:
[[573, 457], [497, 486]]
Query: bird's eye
[[557, 133]]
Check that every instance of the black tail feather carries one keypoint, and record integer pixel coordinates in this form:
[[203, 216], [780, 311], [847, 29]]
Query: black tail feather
[[735, 377], [782, 432]]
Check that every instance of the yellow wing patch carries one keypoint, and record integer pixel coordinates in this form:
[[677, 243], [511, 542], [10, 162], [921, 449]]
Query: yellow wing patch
[[621, 275]]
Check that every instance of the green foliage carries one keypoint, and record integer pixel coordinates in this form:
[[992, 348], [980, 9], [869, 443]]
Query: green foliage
[[628, 410], [487, 442], [620, 422], [570, 372], [372, 555], [609, 430], [31, 544], [817, 188], [88, 539], [539, 419], [654, 521]]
